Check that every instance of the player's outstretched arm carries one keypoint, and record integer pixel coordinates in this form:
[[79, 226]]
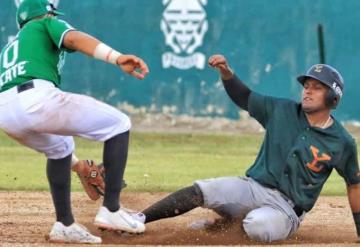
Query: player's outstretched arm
[[353, 192], [234, 87], [85, 43]]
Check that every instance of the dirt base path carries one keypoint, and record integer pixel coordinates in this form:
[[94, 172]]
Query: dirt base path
[[26, 219]]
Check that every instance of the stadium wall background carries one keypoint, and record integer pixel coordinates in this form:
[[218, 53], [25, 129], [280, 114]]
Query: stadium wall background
[[268, 43]]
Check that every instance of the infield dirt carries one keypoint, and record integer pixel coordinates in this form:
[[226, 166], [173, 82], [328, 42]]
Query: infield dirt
[[26, 219]]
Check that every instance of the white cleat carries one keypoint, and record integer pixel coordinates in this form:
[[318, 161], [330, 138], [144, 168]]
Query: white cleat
[[120, 220], [136, 215], [75, 233]]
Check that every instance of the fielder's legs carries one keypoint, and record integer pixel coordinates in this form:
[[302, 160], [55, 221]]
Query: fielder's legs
[[46, 109], [101, 122], [66, 114]]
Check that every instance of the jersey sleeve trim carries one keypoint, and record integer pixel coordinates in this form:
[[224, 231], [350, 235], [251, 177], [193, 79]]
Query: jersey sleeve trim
[[63, 35], [352, 183]]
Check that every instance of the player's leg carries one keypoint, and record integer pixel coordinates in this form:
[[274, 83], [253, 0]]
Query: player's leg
[[115, 157], [223, 195], [230, 197], [112, 127], [273, 217], [175, 204], [267, 224], [59, 176], [269, 216], [14, 109], [58, 150]]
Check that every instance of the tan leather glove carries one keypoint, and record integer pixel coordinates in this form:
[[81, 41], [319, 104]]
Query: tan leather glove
[[91, 177]]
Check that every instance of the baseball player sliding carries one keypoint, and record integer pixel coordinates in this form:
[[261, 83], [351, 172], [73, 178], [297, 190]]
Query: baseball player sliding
[[302, 145], [38, 114]]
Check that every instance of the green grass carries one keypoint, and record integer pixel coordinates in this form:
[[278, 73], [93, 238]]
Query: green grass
[[157, 162]]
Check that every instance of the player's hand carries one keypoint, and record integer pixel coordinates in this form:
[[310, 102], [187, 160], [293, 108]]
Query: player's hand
[[219, 62], [133, 65]]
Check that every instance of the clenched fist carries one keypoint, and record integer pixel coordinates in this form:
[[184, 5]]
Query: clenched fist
[[219, 62]]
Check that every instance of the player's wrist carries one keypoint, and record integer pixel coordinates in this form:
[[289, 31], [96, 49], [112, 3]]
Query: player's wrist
[[106, 54], [227, 74], [356, 217]]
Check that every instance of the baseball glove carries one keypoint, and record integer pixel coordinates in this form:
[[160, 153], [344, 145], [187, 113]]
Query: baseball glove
[[92, 178]]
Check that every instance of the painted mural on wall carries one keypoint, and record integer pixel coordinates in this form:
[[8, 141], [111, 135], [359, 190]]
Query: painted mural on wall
[[184, 25], [267, 45]]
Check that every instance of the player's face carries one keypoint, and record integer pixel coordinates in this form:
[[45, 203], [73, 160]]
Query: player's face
[[313, 96]]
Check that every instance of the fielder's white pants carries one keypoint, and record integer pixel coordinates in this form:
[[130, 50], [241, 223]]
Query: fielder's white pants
[[45, 118]]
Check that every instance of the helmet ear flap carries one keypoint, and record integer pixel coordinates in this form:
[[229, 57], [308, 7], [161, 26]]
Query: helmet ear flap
[[332, 99]]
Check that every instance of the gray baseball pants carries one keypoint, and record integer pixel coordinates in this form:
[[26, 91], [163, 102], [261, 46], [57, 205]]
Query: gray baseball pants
[[267, 214]]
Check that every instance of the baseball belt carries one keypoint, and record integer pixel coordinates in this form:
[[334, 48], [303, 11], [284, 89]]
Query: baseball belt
[[25, 86]]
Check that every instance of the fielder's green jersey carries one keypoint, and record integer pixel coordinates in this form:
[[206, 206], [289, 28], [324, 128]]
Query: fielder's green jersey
[[35, 53], [296, 158]]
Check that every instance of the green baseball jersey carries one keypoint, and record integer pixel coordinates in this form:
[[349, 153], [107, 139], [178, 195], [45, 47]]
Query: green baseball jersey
[[296, 158], [35, 53]]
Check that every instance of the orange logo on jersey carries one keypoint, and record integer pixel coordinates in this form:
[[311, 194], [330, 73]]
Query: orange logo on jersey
[[313, 165]]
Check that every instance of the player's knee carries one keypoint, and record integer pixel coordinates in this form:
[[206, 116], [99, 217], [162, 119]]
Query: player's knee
[[123, 124], [59, 150], [126, 122], [258, 228]]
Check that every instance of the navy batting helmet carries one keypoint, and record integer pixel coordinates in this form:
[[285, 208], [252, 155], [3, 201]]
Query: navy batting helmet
[[330, 77]]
